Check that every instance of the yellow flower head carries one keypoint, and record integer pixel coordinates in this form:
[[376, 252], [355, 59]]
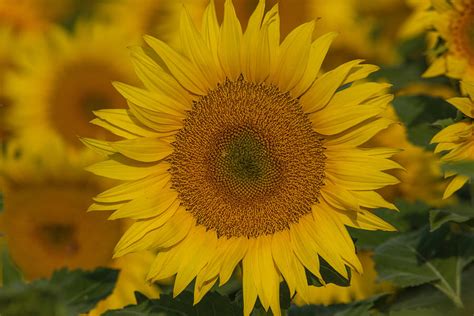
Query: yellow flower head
[[452, 23], [62, 78], [457, 140], [240, 150], [46, 192]]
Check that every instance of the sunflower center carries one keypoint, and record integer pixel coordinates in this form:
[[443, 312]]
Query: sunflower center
[[80, 88], [247, 161], [60, 237]]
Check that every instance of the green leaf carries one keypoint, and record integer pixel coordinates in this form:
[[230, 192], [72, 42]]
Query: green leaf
[[37, 299], [66, 293], [10, 273], [427, 297], [417, 113], [417, 312], [463, 167], [398, 261], [406, 261], [456, 213], [82, 290], [332, 276], [213, 304], [443, 123]]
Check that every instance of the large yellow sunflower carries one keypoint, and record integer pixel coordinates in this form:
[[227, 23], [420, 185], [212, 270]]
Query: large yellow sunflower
[[452, 24], [239, 150], [457, 140], [61, 78], [46, 227]]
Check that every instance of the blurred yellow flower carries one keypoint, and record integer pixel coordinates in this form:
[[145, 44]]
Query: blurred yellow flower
[[46, 225], [421, 179], [367, 29], [451, 44], [241, 151], [62, 78], [362, 286], [6, 64], [457, 140]]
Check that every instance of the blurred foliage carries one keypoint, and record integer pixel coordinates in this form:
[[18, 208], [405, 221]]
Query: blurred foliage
[[65, 293]]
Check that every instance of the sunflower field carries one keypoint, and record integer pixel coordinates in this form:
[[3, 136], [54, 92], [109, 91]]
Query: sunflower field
[[237, 157]]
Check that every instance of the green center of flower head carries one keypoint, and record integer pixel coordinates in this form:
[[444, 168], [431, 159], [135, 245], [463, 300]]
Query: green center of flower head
[[247, 161], [59, 237], [245, 164]]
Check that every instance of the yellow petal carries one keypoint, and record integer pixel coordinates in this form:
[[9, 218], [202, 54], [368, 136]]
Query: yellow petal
[[464, 105], [339, 119], [453, 132], [293, 57], [437, 68], [456, 183], [125, 120], [359, 134], [149, 205], [130, 190], [319, 49], [196, 50], [156, 79], [325, 86], [99, 146], [143, 149], [114, 169], [181, 68], [248, 284], [151, 100], [200, 245], [211, 34], [282, 256], [229, 42], [237, 248], [251, 44]]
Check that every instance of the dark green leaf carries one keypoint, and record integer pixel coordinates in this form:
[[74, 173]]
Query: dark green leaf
[[456, 213], [398, 261], [332, 276], [443, 123], [417, 113], [463, 167], [38, 299], [409, 260], [66, 293], [10, 273], [427, 297], [213, 304], [417, 312], [82, 290]]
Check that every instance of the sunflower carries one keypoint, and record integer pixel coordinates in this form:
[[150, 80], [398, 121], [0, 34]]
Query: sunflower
[[61, 78], [32, 16], [239, 150], [457, 140], [419, 19], [43, 236], [451, 42], [362, 286]]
